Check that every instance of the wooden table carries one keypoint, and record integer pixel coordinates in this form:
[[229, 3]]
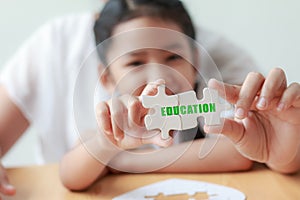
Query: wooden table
[[42, 182]]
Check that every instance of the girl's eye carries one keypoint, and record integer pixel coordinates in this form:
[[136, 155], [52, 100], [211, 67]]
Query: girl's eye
[[135, 63], [174, 57]]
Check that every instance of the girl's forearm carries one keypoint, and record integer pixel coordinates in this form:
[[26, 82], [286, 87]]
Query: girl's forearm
[[189, 161], [79, 168], [223, 157]]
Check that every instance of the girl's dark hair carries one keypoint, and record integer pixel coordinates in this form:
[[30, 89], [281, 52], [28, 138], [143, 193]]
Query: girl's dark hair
[[118, 11]]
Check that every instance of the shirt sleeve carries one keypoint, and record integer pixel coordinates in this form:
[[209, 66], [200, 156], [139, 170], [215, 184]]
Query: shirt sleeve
[[22, 74]]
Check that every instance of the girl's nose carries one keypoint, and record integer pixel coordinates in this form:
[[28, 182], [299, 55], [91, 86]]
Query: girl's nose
[[158, 71]]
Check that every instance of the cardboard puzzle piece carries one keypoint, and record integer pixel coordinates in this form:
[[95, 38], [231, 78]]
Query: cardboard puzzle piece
[[160, 98], [180, 112], [208, 107], [156, 120]]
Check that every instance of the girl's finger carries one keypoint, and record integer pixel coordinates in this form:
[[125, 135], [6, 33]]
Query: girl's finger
[[103, 118], [118, 118], [136, 112], [250, 88], [5, 187], [273, 87], [156, 139], [226, 91], [290, 97], [151, 88], [233, 130]]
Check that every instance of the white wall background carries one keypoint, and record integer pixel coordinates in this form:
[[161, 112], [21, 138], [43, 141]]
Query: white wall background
[[269, 30]]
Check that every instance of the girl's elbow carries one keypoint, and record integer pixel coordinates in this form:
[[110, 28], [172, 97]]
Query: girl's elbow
[[72, 184], [243, 164], [246, 165], [68, 180]]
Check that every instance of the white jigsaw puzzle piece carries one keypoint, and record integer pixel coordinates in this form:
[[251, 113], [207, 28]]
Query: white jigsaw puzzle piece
[[160, 98], [211, 96], [165, 124], [155, 120], [209, 104]]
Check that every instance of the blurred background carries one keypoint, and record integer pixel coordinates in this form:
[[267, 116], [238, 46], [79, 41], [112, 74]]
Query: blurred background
[[268, 30]]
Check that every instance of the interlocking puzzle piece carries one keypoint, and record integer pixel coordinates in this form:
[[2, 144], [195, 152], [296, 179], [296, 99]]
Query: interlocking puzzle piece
[[156, 120], [160, 98], [209, 107], [180, 112]]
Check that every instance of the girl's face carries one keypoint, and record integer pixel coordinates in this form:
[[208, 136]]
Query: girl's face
[[132, 67]]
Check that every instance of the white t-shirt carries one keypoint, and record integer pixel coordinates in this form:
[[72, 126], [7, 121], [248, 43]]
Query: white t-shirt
[[40, 78]]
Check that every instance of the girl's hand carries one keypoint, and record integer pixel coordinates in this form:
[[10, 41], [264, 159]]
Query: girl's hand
[[266, 127], [5, 187], [122, 120]]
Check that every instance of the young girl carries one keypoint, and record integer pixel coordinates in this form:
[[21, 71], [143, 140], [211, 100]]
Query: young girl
[[37, 83], [265, 129]]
